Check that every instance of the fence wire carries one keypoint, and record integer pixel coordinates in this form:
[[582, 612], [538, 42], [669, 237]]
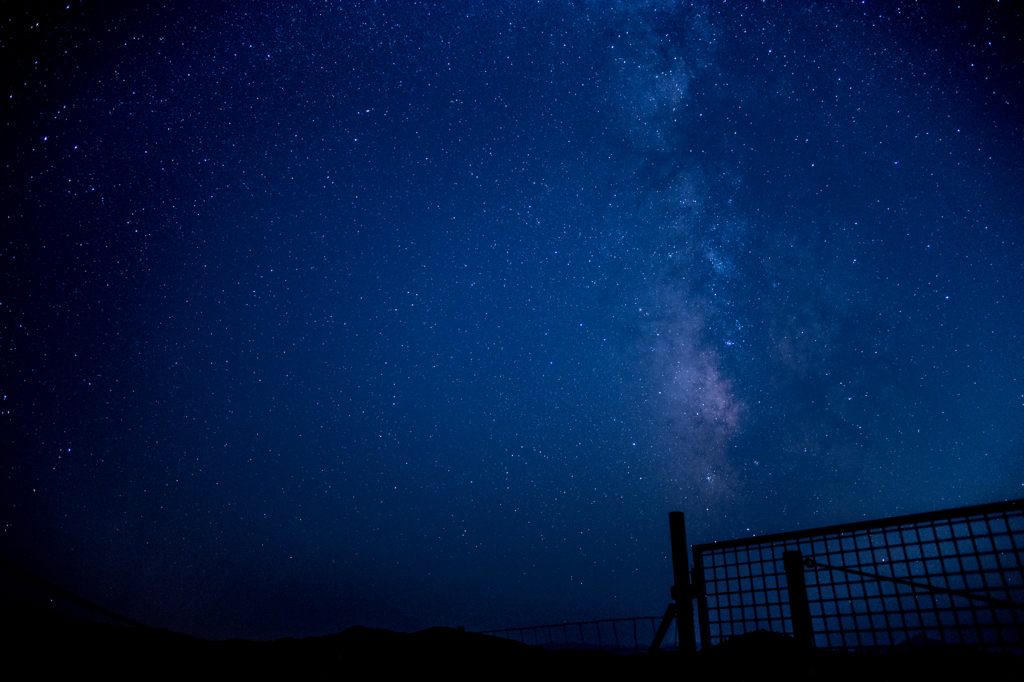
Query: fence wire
[[617, 635]]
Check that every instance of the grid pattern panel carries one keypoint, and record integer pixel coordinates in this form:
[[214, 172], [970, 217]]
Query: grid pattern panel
[[979, 550]]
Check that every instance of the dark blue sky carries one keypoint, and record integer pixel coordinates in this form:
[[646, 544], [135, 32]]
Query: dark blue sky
[[407, 314]]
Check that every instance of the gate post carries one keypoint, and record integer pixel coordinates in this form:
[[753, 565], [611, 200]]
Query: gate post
[[799, 609], [682, 592]]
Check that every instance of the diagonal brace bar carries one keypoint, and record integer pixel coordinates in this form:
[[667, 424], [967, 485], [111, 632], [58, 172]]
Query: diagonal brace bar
[[811, 563], [670, 613]]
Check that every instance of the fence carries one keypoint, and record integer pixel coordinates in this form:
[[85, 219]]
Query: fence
[[618, 635], [953, 576]]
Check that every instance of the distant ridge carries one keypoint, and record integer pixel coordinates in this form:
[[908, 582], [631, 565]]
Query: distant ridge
[[54, 644]]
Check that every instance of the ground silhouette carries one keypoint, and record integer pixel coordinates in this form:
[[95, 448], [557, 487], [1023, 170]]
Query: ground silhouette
[[40, 643]]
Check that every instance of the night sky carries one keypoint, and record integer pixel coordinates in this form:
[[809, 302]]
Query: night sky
[[407, 314]]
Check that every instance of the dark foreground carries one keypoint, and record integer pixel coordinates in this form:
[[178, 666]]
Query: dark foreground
[[44, 643]]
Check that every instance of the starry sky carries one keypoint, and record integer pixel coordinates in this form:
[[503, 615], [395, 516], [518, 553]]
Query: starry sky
[[406, 314]]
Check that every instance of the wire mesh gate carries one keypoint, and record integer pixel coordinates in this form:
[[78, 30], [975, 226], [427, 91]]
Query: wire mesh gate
[[953, 576]]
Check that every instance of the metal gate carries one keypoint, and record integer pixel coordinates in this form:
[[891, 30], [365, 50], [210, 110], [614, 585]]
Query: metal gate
[[954, 576]]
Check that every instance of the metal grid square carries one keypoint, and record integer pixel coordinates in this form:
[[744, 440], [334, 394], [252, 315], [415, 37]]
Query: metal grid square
[[978, 550]]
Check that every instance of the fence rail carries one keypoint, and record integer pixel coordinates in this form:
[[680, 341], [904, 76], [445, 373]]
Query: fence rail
[[617, 635]]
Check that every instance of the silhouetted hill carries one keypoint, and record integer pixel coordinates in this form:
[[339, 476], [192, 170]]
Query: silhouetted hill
[[45, 644]]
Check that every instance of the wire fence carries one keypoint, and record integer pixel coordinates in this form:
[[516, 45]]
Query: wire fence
[[954, 577], [617, 635]]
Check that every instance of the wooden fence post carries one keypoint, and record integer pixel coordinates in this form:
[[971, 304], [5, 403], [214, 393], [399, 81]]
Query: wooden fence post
[[682, 592], [799, 609]]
